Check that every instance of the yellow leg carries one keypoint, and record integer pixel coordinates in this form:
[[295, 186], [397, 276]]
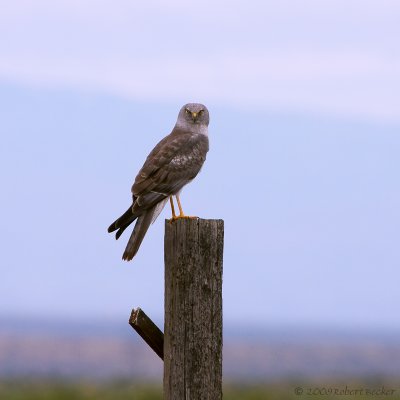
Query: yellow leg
[[181, 214], [172, 208]]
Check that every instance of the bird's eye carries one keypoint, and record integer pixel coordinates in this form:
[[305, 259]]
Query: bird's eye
[[201, 112], [187, 111]]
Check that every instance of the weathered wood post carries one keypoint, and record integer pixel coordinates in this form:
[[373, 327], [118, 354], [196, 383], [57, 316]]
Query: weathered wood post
[[193, 251]]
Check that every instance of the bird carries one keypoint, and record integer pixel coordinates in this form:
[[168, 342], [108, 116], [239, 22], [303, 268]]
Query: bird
[[173, 163]]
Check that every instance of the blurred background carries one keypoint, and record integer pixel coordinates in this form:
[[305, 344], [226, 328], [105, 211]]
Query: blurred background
[[303, 167]]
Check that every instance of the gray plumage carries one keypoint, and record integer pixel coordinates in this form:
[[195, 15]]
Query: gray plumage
[[173, 163]]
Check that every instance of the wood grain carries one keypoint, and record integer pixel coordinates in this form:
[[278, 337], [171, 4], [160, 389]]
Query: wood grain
[[193, 250]]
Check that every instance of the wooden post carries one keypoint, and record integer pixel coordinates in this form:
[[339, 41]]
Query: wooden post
[[193, 250]]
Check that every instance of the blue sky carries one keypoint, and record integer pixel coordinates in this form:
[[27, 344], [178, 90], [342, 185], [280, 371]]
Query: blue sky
[[304, 138]]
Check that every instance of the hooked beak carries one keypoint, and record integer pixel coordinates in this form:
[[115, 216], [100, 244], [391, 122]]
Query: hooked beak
[[194, 116]]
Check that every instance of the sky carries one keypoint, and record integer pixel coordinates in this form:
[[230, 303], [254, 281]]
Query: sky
[[303, 163]]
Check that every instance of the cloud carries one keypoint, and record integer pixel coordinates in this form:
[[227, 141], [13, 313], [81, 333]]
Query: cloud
[[335, 59]]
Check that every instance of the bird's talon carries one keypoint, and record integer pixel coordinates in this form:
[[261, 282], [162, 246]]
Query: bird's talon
[[175, 218]]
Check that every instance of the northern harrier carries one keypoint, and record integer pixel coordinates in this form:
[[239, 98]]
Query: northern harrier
[[172, 164]]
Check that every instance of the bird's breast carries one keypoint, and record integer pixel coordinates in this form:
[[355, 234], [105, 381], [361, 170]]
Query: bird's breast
[[190, 156], [183, 160]]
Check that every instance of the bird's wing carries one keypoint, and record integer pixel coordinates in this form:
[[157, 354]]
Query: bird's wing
[[155, 167], [175, 161]]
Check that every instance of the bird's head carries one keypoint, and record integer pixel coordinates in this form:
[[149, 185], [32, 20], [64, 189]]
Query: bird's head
[[194, 113]]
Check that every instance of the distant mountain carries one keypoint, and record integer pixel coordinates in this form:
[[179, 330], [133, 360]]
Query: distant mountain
[[102, 350]]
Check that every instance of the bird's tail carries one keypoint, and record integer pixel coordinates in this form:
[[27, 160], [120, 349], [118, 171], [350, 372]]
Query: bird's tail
[[122, 222], [141, 227]]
